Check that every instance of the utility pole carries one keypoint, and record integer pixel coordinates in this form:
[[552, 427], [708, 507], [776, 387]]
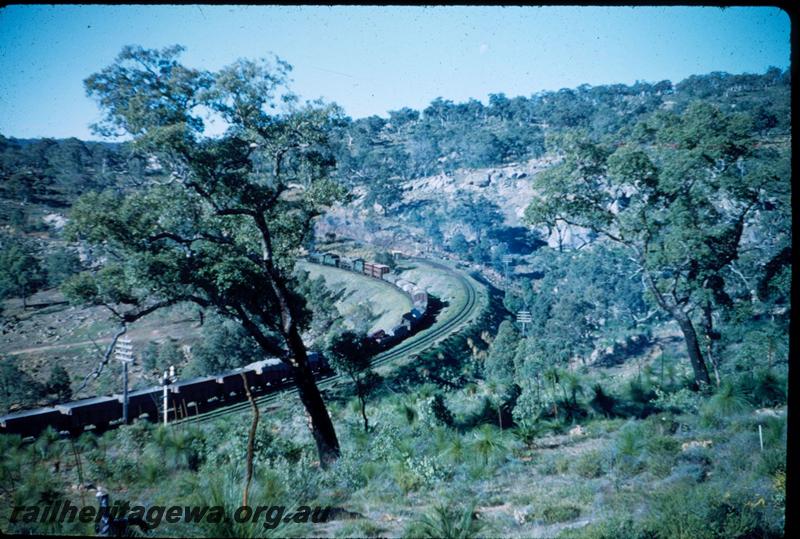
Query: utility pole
[[166, 380], [506, 261], [524, 317], [124, 353]]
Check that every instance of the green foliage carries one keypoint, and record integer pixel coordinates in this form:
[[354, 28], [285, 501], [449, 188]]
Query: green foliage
[[440, 410], [61, 264], [499, 365], [59, 384], [560, 513], [18, 387], [489, 443], [727, 400], [601, 402], [223, 488], [226, 230], [589, 465], [20, 271], [381, 154], [149, 356], [554, 465], [447, 522], [459, 244], [169, 354], [764, 388], [351, 355], [660, 454], [659, 197], [53, 172], [322, 302], [224, 346], [688, 171], [707, 511], [615, 527], [680, 400], [628, 447], [572, 307], [640, 394]]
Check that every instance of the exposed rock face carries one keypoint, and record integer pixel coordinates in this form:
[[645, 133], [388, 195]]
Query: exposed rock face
[[55, 220], [511, 187]]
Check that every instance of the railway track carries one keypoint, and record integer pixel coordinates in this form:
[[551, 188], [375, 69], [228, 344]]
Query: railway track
[[412, 346]]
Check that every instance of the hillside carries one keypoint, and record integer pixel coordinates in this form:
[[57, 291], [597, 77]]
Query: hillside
[[620, 370]]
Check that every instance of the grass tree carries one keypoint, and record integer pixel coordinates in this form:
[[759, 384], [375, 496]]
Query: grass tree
[[448, 522]]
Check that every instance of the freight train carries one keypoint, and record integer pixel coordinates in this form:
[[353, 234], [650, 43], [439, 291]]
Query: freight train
[[185, 398], [194, 396], [418, 296]]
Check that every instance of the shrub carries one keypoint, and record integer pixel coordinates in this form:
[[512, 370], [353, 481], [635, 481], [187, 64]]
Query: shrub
[[440, 410], [589, 465], [764, 388], [661, 452], [489, 442], [704, 511], [616, 527], [447, 522], [554, 464], [683, 400], [560, 513], [727, 400], [772, 461], [527, 430], [641, 396], [628, 447], [601, 402]]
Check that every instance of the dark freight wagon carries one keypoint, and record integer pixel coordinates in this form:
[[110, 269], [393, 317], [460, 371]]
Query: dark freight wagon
[[97, 411], [331, 259], [32, 422]]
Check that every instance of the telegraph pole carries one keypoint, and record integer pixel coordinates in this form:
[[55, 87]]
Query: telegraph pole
[[124, 353], [506, 261], [524, 317]]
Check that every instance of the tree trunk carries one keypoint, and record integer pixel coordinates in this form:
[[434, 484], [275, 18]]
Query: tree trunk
[[364, 411], [687, 328], [692, 347], [320, 422]]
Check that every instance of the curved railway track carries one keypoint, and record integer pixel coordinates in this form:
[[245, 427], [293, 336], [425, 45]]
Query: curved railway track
[[412, 346]]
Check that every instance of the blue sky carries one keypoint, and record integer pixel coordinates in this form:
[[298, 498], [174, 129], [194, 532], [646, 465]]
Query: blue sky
[[374, 59]]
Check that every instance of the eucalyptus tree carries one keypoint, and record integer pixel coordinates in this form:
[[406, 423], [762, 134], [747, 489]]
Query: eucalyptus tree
[[224, 229], [682, 196], [21, 273]]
